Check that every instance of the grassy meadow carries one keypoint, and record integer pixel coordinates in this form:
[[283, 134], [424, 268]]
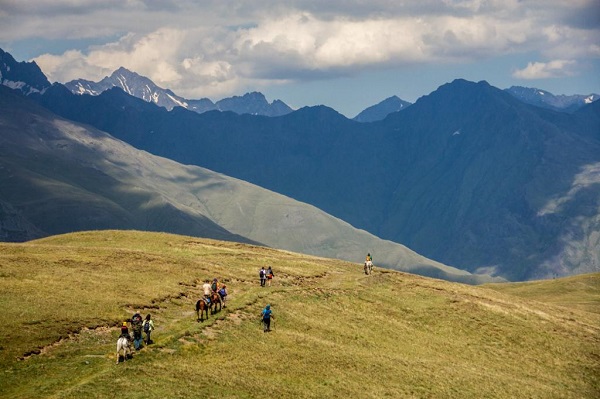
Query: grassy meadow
[[337, 333]]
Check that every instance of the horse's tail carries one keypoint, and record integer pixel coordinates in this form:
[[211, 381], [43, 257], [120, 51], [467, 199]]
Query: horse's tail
[[198, 305]]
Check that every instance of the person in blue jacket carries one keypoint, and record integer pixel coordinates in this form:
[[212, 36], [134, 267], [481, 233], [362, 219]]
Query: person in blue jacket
[[267, 315]]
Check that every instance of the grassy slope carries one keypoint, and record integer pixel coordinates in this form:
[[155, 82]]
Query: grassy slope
[[338, 333], [579, 291]]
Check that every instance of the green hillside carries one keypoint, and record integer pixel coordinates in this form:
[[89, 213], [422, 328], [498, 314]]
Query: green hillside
[[579, 291], [337, 332]]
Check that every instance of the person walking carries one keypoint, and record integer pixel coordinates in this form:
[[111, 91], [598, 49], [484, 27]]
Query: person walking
[[267, 315], [148, 328], [223, 295], [263, 276], [270, 276], [136, 326]]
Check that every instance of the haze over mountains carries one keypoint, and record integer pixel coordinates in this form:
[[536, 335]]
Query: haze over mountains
[[468, 175]]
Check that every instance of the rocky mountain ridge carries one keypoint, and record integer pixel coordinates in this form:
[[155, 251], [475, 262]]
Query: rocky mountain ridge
[[142, 87]]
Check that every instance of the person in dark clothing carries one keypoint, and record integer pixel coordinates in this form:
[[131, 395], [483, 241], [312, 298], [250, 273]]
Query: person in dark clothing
[[137, 326], [125, 331], [267, 315], [263, 276], [148, 328], [270, 276], [223, 295]]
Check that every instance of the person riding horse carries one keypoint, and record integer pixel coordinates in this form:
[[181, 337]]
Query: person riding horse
[[207, 290], [368, 264]]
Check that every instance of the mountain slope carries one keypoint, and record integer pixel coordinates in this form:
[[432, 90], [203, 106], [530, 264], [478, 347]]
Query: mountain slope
[[416, 337], [466, 175], [381, 110], [66, 177], [24, 76]]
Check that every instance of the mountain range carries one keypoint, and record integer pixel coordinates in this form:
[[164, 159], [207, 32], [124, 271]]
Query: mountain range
[[141, 87], [58, 176], [468, 175], [545, 99]]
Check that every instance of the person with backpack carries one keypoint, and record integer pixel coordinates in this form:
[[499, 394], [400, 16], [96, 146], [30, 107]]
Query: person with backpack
[[270, 276], [148, 328], [223, 294], [267, 315], [263, 276], [136, 326], [215, 285]]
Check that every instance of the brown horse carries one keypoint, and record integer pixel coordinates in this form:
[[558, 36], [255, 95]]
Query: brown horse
[[215, 299], [201, 308]]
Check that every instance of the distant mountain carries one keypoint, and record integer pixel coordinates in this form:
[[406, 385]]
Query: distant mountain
[[253, 103], [142, 87], [545, 99], [59, 176], [24, 76], [380, 111], [468, 175]]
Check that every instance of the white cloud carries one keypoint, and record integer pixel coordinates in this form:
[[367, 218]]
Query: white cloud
[[544, 70], [212, 47]]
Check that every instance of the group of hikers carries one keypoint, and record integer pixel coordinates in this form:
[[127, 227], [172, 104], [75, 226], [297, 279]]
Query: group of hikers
[[265, 276], [139, 325]]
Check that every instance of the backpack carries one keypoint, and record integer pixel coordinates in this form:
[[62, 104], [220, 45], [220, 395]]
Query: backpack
[[213, 286], [222, 292], [147, 326], [261, 273], [136, 326]]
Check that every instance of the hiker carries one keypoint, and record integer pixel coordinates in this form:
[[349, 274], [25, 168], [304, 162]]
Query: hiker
[[207, 291], [267, 315], [223, 294], [270, 276], [148, 328], [215, 285], [136, 326], [263, 276], [369, 258]]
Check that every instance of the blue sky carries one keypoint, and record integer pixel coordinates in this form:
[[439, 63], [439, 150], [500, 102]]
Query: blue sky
[[344, 54]]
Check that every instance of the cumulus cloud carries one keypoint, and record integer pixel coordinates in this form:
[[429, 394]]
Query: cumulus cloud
[[545, 70], [211, 47]]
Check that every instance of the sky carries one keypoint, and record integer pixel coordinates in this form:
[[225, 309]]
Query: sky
[[348, 54]]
